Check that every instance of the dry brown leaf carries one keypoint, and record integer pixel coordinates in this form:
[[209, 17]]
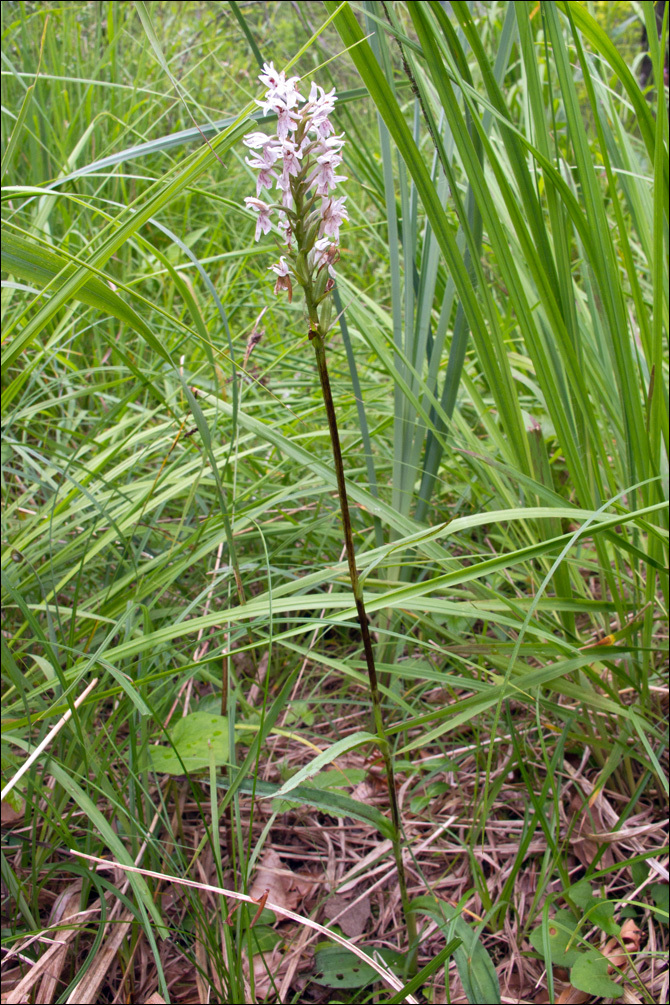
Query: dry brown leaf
[[52, 960], [583, 842], [351, 919], [8, 815], [572, 996], [155, 999], [21, 993], [629, 938], [273, 877]]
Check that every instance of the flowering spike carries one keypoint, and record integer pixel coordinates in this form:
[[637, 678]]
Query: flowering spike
[[300, 161]]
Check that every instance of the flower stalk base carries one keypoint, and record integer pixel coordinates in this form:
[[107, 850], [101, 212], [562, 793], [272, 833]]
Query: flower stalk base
[[317, 340]]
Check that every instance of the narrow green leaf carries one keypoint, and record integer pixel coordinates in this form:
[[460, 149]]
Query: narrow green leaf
[[327, 801], [326, 757]]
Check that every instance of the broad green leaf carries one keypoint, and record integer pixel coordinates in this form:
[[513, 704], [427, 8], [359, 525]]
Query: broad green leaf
[[475, 967], [193, 737], [338, 968]]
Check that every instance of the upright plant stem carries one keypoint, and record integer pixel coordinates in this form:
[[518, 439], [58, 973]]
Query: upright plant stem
[[317, 339]]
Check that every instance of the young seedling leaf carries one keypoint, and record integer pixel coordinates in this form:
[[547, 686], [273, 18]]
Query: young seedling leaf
[[561, 934], [589, 974]]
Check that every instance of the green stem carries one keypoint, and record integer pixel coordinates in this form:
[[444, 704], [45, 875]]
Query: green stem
[[317, 339]]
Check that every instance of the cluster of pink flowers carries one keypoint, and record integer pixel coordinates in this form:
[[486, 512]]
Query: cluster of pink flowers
[[300, 161]]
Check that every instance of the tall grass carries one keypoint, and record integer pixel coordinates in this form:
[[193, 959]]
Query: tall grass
[[170, 525]]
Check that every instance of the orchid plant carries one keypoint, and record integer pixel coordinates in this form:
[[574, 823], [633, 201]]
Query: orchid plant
[[301, 159]]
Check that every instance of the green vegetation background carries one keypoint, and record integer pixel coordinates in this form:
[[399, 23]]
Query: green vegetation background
[[170, 525]]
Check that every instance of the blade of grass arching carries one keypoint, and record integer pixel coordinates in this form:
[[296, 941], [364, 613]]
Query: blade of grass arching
[[396, 599], [362, 55], [43, 265], [551, 678], [158, 195], [403, 597]]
